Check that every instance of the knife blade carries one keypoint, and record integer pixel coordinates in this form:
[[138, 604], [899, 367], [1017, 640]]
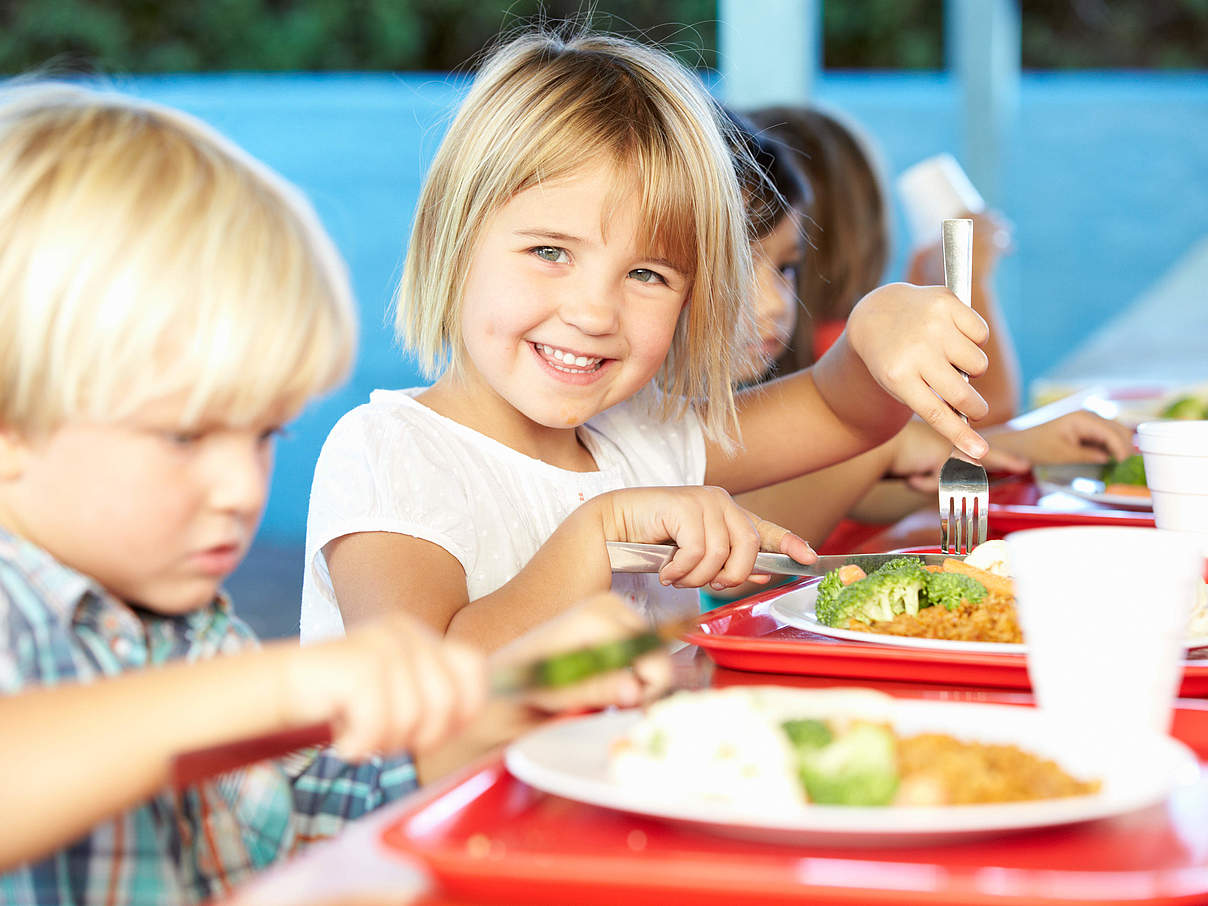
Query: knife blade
[[635, 557], [554, 671]]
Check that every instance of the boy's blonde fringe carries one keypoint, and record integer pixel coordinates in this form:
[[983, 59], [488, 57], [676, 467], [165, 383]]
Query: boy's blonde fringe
[[142, 256]]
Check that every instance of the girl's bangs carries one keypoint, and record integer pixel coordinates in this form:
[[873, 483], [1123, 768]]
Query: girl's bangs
[[669, 225]]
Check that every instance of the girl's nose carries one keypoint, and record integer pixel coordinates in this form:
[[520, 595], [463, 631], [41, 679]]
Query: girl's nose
[[594, 310]]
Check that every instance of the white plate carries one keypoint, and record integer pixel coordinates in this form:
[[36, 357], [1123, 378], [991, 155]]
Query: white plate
[[796, 608], [569, 758], [1082, 481]]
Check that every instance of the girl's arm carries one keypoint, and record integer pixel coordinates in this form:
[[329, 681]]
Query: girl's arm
[[901, 350], [378, 573], [390, 687], [806, 421], [373, 573]]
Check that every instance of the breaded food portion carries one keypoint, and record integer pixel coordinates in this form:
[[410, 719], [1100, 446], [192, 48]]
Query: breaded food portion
[[938, 769], [993, 620]]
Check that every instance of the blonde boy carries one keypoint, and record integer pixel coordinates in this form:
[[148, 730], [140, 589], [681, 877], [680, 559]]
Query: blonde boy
[[166, 303]]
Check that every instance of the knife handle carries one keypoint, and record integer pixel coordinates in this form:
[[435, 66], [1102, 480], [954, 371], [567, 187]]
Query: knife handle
[[637, 557], [195, 765]]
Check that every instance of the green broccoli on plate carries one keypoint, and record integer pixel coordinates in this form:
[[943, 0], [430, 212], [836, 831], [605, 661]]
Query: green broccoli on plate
[[948, 590], [855, 766], [894, 588]]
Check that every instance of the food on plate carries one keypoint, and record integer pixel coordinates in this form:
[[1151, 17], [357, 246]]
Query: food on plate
[[775, 749], [1188, 406], [848, 593], [968, 601], [957, 601], [1126, 477], [990, 556]]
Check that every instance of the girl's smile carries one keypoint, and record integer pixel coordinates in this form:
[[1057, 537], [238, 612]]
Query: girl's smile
[[568, 365], [563, 314]]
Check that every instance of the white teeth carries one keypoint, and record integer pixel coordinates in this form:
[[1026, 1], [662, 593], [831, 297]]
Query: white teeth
[[569, 358]]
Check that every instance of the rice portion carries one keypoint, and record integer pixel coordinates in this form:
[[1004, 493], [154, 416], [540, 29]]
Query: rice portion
[[993, 620]]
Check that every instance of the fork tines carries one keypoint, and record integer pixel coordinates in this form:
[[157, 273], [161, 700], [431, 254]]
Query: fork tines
[[964, 497]]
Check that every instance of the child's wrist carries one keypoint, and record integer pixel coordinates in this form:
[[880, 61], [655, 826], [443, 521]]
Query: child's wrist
[[294, 674]]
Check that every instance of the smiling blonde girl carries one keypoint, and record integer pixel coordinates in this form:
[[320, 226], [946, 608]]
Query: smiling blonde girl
[[578, 283]]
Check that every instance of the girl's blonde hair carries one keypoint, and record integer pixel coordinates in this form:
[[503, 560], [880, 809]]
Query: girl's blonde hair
[[142, 255], [848, 217], [543, 107]]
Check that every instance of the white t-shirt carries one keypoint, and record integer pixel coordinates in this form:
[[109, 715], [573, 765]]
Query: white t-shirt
[[394, 465]]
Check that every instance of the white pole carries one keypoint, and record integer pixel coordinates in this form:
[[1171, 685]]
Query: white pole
[[982, 44], [769, 50]]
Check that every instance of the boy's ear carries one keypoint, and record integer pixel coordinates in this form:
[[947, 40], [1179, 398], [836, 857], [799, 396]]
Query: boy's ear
[[14, 454]]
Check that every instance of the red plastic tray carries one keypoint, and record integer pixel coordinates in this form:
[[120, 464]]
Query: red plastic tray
[[746, 636], [488, 838], [1017, 503]]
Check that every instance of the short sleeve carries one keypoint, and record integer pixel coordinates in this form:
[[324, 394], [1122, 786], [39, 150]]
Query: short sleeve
[[378, 474], [380, 470]]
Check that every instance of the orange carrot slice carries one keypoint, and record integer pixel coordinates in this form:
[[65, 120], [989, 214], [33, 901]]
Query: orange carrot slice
[[850, 573]]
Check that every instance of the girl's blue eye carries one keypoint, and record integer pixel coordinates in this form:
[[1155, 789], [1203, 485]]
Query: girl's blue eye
[[183, 438], [645, 275], [789, 272], [550, 253]]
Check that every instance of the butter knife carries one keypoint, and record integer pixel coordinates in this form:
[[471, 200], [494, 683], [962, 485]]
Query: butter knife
[[635, 557]]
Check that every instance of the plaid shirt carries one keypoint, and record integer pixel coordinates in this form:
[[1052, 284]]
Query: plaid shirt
[[56, 626]]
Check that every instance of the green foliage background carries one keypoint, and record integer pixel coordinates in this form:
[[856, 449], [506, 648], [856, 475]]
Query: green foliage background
[[311, 35]]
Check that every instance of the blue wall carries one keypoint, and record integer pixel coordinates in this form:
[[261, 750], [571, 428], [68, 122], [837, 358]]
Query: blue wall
[[1106, 180]]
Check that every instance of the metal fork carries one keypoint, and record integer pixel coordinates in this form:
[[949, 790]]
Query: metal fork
[[964, 488]]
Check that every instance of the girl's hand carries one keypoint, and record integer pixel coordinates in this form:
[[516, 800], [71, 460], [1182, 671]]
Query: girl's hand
[[598, 619], [915, 341], [390, 685], [717, 539], [1080, 436]]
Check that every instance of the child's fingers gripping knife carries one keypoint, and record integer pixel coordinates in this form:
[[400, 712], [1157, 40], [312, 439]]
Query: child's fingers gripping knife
[[395, 685], [716, 539]]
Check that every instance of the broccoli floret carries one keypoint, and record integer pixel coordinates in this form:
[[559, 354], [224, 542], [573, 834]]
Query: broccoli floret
[[909, 566], [947, 590], [828, 590], [1126, 471], [857, 767], [880, 596], [1186, 407], [808, 733]]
